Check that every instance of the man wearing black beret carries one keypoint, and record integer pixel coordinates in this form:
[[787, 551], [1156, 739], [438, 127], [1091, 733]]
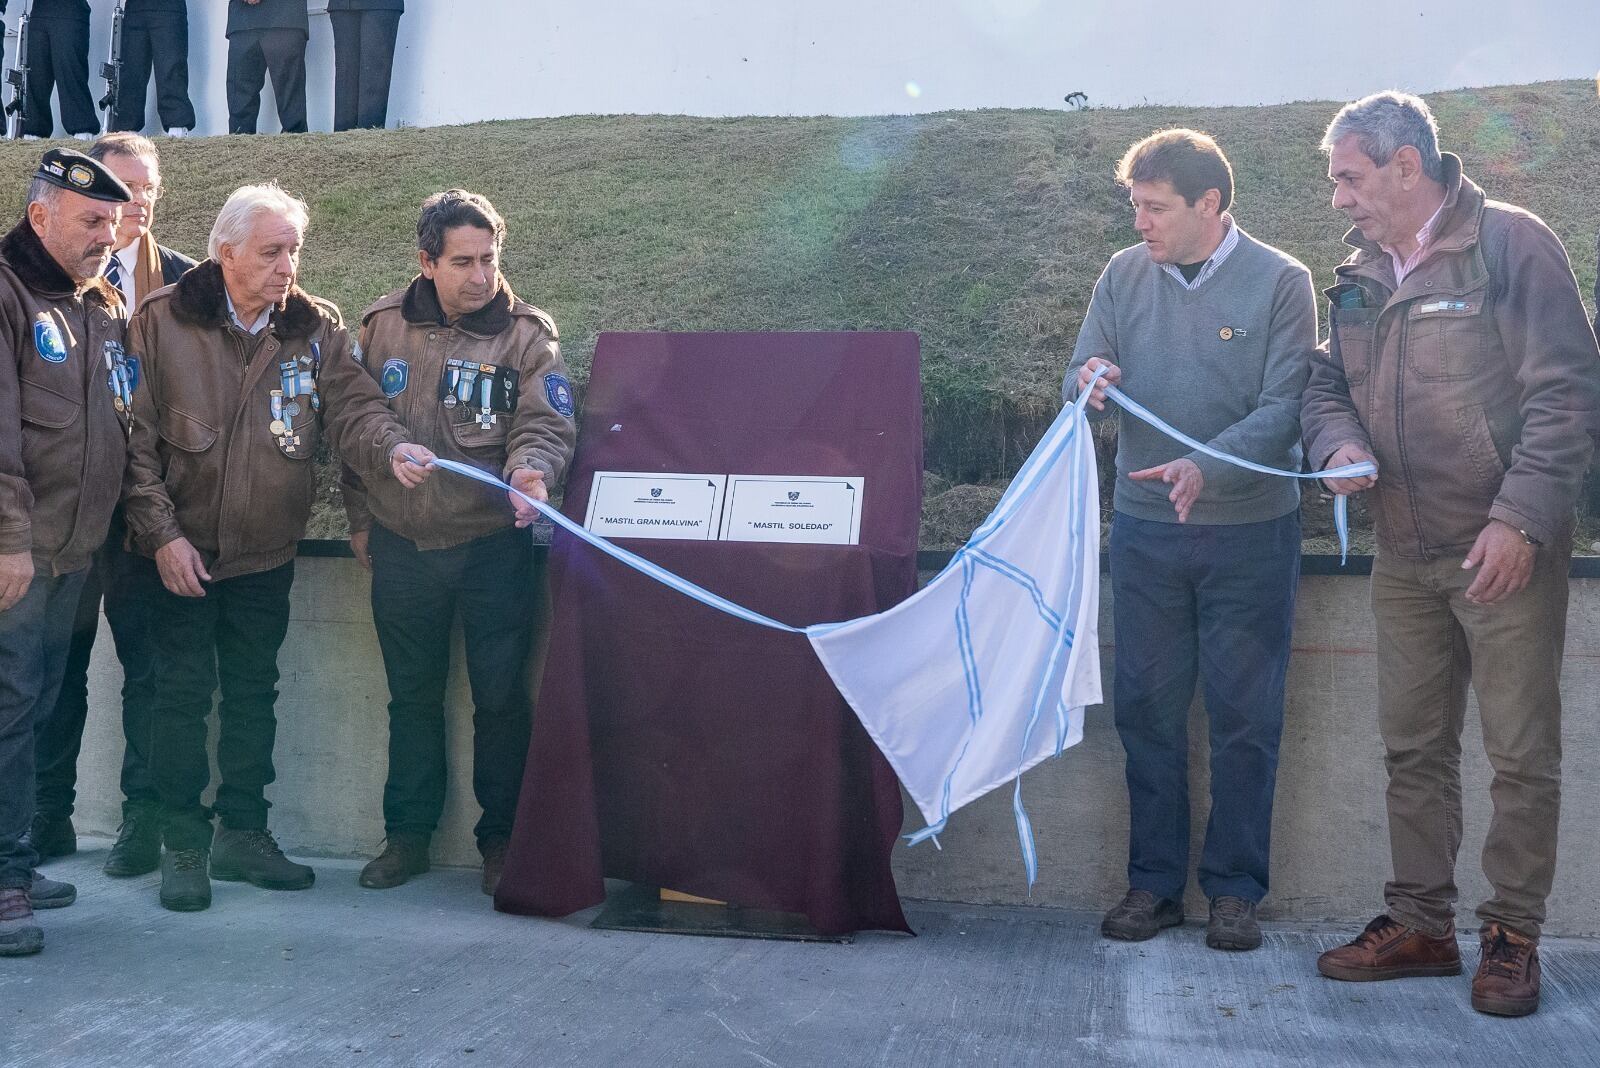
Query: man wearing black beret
[[66, 389]]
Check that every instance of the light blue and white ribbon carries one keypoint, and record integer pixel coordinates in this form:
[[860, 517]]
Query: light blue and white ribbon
[[1341, 511]]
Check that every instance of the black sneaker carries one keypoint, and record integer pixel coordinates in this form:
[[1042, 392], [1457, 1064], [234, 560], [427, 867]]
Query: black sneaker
[[1233, 924], [1140, 915], [52, 836], [254, 857], [185, 886], [51, 893], [138, 848]]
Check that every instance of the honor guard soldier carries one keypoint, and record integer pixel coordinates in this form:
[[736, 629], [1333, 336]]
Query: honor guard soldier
[[155, 39], [477, 376], [58, 58], [129, 582], [267, 36], [66, 382], [243, 374], [363, 57]]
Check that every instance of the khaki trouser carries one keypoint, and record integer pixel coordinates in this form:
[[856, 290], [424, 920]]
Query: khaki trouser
[[1431, 642]]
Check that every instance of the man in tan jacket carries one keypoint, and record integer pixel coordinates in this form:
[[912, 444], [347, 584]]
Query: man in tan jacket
[[477, 376], [65, 384], [1462, 361], [244, 373]]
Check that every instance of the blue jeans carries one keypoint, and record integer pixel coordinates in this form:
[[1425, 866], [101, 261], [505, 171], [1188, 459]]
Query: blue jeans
[[1214, 602], [34, 636]]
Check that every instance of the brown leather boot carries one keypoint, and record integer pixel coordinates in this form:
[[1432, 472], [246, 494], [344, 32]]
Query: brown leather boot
[[1507, 983], [403, 856], [1388, 949], [494, 863]]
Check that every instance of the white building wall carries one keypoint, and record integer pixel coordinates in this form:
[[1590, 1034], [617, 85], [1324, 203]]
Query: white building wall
[[470, 60]]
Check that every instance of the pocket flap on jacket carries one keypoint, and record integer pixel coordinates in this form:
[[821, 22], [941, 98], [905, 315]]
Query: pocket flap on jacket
[[43, 406], [184, 431]]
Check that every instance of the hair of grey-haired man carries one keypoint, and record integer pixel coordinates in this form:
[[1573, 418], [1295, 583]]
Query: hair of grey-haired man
[[1386, 122], [239, 212], [42, 192]]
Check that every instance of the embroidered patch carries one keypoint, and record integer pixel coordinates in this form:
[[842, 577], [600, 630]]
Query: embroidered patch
[[559, 390], [80, 176], [394, 377], [47, 339]]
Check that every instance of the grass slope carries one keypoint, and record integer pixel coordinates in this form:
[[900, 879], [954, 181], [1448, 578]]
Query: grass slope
[[984, 231]]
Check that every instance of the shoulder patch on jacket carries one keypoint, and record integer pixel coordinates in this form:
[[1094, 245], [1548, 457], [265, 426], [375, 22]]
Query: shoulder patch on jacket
[[559, 391]]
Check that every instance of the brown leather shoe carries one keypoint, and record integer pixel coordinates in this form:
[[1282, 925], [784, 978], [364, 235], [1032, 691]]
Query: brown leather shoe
[[403, 856], [1388, 949], [494, 862], [1507, 983]]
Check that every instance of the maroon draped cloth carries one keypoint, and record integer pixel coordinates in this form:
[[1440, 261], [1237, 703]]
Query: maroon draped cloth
[[677, 746]]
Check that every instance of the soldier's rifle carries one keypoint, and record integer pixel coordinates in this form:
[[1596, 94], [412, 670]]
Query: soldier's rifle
[[111, 70], [17, 78]]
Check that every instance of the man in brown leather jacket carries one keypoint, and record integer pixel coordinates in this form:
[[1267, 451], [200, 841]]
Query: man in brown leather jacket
[[1462, 361], [477, 376], [65, 384], [244, 374]]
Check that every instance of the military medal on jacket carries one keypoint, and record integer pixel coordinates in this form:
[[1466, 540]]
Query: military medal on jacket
[[296, 396], [487, 391]]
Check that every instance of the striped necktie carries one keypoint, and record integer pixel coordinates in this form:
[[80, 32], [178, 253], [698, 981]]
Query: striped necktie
[[114, 271]]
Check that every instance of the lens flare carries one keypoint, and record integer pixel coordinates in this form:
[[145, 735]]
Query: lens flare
[[913, 90]]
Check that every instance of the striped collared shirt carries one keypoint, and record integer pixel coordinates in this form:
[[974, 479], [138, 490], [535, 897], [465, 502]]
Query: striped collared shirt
[[1230, 241]]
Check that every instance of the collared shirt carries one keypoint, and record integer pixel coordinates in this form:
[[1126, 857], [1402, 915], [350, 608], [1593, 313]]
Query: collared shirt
[[126, 260], [1230, 241], [1403, 267], [261, 320]]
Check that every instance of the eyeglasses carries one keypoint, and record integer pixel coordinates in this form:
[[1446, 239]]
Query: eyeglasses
[[142, 191]]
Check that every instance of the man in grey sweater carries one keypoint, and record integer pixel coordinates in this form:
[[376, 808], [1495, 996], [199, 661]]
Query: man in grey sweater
[[1214, 332]]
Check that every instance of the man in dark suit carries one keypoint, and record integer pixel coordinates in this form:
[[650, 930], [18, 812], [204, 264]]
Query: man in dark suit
[[267, 36], [363, 58], [138, 266], [58, 59], [155, 37]]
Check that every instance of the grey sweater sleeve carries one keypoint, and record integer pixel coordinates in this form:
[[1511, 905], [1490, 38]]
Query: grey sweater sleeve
[[1097, 337], [1274, 426]]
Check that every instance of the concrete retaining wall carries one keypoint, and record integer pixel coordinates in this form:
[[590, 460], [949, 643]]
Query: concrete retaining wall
[[1330, 842]]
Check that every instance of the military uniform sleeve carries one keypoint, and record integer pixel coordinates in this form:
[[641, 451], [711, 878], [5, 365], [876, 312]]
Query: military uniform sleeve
[[1273, 427], [542, 436], [152, 519], [357, 419], [16, 496], [1097, 337], [354, 492], [1550, 346]]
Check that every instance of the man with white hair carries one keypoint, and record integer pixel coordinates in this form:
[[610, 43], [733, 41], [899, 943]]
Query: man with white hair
[[244, 375], [64, 388], [1462, 361]]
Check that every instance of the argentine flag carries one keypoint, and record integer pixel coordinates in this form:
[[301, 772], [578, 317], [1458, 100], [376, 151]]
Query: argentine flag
[[986, 671]]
